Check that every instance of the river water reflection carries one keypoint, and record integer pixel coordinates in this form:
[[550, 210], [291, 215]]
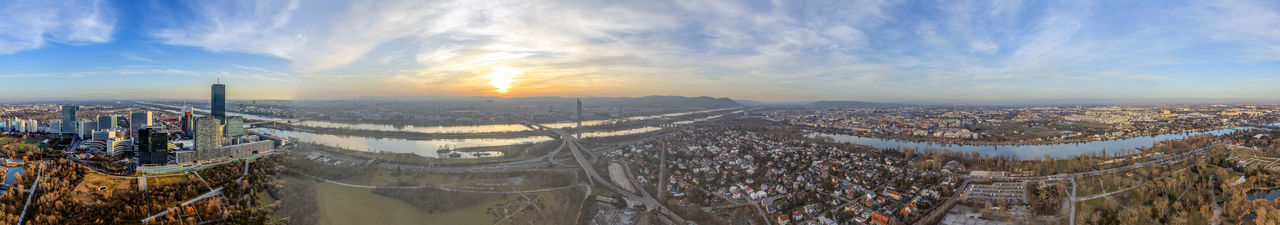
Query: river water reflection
[[421, 147], [428, 147], [448, 129], [1026, 152]]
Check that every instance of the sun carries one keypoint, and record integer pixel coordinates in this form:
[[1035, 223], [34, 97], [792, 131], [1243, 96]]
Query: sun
[[502, 77]]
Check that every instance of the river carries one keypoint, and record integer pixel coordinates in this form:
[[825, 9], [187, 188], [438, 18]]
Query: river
[[428, 147], [1025, 152], [421, 147], [447, 129]]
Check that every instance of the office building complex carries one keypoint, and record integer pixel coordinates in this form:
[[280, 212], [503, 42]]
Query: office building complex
[[208, 134], [139, 120], [106, 122], [153, 146], [55, 126], [69, 118], [235, 126], [210, 144], [218, 104], [85, 127], [188, 121]]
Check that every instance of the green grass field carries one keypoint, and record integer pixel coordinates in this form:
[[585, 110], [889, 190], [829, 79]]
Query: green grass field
[[346, 205], [385, 178]]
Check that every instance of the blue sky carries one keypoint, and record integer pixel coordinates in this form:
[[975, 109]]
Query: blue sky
[[936, 51]]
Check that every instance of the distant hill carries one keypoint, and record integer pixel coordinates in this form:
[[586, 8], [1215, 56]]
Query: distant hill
[[855, 104]]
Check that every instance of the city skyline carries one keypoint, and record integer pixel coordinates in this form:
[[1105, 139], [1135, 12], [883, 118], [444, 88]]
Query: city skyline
[[966, 52]]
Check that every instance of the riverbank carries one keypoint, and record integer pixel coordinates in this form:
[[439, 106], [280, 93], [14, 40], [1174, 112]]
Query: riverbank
[[1114, 147], [509, 153], [940, 140]]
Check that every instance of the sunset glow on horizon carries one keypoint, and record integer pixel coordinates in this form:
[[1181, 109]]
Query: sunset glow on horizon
[[871, 50], [502, 77]]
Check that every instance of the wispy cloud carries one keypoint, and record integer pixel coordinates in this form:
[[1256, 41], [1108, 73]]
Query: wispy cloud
[[27, 25], [1253, 25], [844, 48]]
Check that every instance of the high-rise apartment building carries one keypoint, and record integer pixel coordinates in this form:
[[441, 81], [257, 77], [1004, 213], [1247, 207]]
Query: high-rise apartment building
[[208, 134]]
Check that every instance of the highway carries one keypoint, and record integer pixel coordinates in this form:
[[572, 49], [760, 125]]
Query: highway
[[576, 149]]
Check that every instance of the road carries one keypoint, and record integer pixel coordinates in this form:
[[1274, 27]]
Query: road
[[1074, 186], [576, 149]]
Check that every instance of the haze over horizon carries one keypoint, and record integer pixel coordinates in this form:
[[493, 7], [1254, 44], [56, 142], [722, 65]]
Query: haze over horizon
[[969, 52]]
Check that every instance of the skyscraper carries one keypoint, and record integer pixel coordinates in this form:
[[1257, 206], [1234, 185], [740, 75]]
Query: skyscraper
[[139, 120], [579, 119], [85, 127], [188, 121], [69, 124], [153, 146], [218, 106], [55, 126], [106, 122], [235, 126]]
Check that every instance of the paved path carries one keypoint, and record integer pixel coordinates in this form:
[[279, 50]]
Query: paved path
[[1074, 186], [214, 192], [30, 194], [1091, 197], [1217, 209], [142, 183]]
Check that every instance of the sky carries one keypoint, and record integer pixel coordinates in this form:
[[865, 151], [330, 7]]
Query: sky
[[888, 51]]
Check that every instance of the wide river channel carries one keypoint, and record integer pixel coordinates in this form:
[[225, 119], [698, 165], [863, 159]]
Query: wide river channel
[[429, 148], [1025, 152]]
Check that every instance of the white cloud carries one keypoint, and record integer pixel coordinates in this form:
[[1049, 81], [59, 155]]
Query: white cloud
[[1253, 25], [452, 39], [26, 25], [260, 27]]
